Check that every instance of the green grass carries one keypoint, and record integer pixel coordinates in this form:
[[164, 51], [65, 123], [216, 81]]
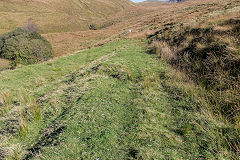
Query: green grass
[[41, 75], [109, 102]]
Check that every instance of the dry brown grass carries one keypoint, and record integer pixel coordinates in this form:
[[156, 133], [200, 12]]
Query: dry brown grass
[[70, 42], [4, 64], [143, 19], [56, 15]]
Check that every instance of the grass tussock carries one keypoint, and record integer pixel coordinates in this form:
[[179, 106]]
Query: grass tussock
[[32, 109], [6, 101], [23, 128]]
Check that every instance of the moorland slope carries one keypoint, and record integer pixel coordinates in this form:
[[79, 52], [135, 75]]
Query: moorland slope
[[57, 15], [143, 19], [167, 89]]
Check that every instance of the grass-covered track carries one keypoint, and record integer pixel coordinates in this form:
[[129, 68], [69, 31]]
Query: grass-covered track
[[110, 102]]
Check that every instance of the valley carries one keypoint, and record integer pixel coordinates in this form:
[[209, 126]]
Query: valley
[[152, 80]]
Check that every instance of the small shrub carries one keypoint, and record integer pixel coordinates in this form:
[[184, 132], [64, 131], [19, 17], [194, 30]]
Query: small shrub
[[23, 46]]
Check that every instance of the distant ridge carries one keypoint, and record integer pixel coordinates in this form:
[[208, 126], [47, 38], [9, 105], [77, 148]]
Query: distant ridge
[[170, 1], [153, 1]]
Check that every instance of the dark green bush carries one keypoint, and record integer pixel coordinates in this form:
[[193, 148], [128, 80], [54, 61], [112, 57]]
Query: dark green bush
[[24, 47]]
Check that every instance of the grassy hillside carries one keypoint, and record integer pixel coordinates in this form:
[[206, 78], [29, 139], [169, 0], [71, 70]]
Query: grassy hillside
[[57, 15], [169, 89], [208, 52], [67, 21], [143, 19], [110, 102]]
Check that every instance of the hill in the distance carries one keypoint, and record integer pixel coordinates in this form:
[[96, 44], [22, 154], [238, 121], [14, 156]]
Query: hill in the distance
[[153, 0], [171, 1], [57, 15]]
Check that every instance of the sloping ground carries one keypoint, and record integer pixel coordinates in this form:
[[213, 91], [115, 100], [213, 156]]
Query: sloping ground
[[110, 102], [209, 54], [57, 15], [70, 22], [118, 102], [143, 19]]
